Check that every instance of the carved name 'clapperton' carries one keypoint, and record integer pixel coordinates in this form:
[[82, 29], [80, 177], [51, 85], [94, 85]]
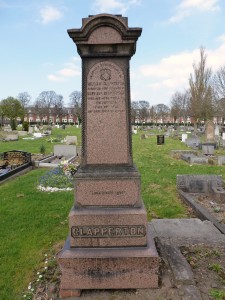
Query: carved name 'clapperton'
[[109, 245]]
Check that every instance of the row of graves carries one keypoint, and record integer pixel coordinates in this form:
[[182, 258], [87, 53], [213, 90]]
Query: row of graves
[[201, 142], [34, 132], [205, 194], [15, 162], [202, 146]]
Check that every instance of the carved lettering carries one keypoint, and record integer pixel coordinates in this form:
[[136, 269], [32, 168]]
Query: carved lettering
[[102, 193], [112, 231], [104, 91]]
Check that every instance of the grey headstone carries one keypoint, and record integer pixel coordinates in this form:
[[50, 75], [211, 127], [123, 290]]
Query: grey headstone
[[12, 137], [208, 149], [65, 150], [221, 160], [198, 160], [193, 142], [71, 140]]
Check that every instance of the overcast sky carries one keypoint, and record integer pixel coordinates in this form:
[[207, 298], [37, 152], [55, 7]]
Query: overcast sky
[[36, 53]]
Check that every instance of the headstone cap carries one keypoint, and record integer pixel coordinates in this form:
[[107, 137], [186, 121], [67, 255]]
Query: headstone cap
[[117, 22]]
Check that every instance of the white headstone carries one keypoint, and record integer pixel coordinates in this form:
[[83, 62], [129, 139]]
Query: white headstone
[[37, 134], [217, 131], [223, 136], [184, 137]]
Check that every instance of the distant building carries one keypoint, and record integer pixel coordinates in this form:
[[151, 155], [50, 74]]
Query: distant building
[[66, 115]]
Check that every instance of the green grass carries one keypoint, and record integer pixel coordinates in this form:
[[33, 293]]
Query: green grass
[[159, 170], [33, 146], [217, 294], [32, 221]]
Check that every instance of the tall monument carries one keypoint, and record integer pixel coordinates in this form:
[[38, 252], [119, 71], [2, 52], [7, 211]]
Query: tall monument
[[109, 244]]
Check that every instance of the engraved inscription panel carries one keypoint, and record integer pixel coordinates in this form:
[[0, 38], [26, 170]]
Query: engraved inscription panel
[[107, 130], [106, 231], [17, 157], [108, 192]]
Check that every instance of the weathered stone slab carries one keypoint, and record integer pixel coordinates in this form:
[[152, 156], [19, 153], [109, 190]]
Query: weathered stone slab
[[187, 156], [221, 160], [210, 131], [193, 142], [208, 149], [71, 140], [179, 153], [109, 268], [22, 133], [12, 137], [65, 150], [200, 160], [198, 183]]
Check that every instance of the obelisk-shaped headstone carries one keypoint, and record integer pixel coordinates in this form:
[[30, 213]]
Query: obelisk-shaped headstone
[[108, 222]]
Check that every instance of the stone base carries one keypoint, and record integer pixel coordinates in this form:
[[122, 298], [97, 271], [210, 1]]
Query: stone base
[[112, 227], [108, 268], [102, 186]]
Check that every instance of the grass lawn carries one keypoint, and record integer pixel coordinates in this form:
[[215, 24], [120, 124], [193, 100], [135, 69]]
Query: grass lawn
[[32, 222], [33, 146]]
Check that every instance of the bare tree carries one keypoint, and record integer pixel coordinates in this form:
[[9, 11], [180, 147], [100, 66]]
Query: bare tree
[[134, 111], [219, 93], [76, 102], [39, 107], [45, 101], [140, 111], [162, 111], [143, 110], [24, 99], [220, 110], [153, 114], [179, 106], [201, 93], [58, 106], [219, 82]]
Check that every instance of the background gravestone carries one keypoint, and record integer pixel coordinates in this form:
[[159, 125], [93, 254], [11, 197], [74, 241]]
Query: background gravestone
[[109, 245], [210, 131]]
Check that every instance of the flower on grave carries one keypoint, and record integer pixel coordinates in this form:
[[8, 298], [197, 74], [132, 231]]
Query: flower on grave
[[68, 168]]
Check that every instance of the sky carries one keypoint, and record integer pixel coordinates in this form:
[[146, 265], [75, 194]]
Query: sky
[[37, 54]]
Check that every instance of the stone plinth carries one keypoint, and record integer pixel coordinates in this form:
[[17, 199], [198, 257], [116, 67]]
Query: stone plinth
[[109, 268], [118, 227], [109, 244], [108, 187]]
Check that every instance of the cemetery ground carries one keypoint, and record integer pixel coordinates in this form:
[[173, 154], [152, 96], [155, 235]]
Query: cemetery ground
[[34, 223]]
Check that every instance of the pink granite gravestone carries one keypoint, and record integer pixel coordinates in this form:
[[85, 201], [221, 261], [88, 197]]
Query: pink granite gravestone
[[109, 244]]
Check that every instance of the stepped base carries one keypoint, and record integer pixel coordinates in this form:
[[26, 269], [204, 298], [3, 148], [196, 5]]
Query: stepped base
[[114, 227], [108, 268]]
